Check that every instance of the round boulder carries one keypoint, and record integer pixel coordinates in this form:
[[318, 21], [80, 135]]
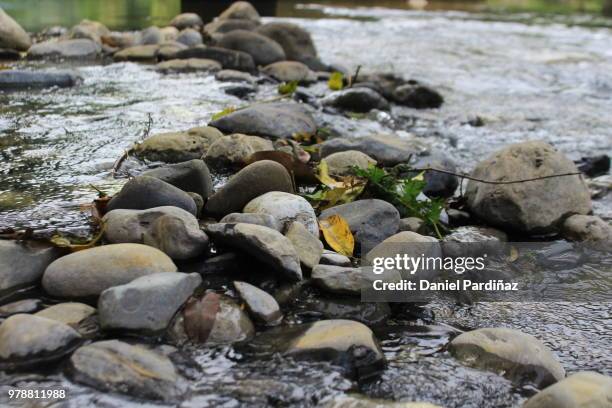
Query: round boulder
[[340, 163], [176, 147], [234, 150], [580, 390], [263, 50], [286, 208]]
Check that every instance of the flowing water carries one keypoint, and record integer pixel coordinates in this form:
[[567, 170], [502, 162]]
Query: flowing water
[[524, 80]]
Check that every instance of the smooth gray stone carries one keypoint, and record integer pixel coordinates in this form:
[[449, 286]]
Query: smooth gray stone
[[261, 305], [16, 80]]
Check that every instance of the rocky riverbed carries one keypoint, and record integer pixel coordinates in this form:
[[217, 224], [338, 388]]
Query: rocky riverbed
[[204, 273]]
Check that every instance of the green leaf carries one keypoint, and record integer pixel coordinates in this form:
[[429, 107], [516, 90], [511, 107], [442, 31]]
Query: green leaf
[[224, 112], [287, 88], [336, 81]]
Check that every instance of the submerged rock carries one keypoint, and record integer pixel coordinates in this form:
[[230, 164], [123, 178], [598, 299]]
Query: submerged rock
[[356, 100], [172, 230], [89, 272], [265, 220], [533, 207], [176, 147], [296, 41], [242, 91], [29, 341], [12, 35], [190, 176], [279, 120], [143, 192], [234, 150], [587, 228], [229, 59], [516, 355], [250, 182], [80, 49], [265, 244], [287, 71], [261, 305], [386, 149], [417, 96], [308, 246], [340, 163], [23, 264], [214, 320], [370, 221], [263, 50], [147, 303], [286, 208], [189, 65], [581, 390], [115, 366], [14, 80]]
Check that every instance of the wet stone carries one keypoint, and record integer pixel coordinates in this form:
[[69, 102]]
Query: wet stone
[[17, 80], [308, 247], [23, 264], [261, 305], [189, 176]]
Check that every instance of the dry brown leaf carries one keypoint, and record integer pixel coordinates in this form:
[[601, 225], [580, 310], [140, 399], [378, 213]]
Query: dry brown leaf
[[338, 235]]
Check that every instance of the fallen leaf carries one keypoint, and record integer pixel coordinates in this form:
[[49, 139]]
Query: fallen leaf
[[224, 112], [63, 242], [325, 178], [338, 235], [336, 81]]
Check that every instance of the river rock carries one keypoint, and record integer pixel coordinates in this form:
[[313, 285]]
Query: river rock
[[89, 272], [189, 37], [79, 49], [14, 80], [70, 313], [234, 150], [225, 26], [214, 320], [340, 280], [20, 306], [296, 41], [188, 65], [517, 356], [168, 50], [414, 224], [263, 50], [189, 176], [438, 185], [91, 30], [340, 163], [533, 207], [138, 53], [144, 192], [151, 36], [265, 244], [229, 59], [115, 366], [333, 258], [23, 264], [388, 150], [12, 36], [252, 181], [344, 342], [147, 303], [230, 75], [354, 401], [371, 221], [286, 208], [587, 228], [260, 304], [170, 229], [240, 10], [278, 120], [265, 220], [187, 20], [242, 91], [308, 247], [7, 54], [581, 390], [288, 71], [176, 147], [359, 99], [417, 96], [169, 33], [29, 341]]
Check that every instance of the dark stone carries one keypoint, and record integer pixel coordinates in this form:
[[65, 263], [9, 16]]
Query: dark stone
[[189, 176], [417, 96], [13, 80], [356, 100], [295, 41], [439, 184], [594, 166], [263, 50], [240, 91]]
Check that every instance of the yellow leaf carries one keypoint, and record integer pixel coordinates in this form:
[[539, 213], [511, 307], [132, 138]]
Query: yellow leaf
[[338, 235], [336, 81], [226, 111], [419, 177], [324, 176]]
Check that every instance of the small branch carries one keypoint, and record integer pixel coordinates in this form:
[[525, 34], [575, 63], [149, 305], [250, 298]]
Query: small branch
[[353, 79], [496, 182]]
